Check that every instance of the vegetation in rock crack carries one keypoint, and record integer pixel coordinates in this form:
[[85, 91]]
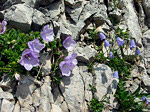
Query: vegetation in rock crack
[[20, 53], [121, 62]]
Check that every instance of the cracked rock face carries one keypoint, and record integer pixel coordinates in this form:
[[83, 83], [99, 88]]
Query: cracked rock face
[[19, 16], [76, 18]]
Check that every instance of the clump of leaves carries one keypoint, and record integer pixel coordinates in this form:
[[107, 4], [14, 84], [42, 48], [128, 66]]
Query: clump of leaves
[[12, 43], [127, 100], [93, 33], [123, 64], [96, 105], [115, 4]]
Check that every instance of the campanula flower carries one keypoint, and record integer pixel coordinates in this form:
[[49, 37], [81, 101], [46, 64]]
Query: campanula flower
[[132, 44], [35, 45], [47, 34], [120, 41], [72, 58], [29, 59], [66, 67], [116, 74], [145, 99], [102, 36], [106, 43], [111, 55], [69, 43], [3, 27], [17, 76], [137, 52]]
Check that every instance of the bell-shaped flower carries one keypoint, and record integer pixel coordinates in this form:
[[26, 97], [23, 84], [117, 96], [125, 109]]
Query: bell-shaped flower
[[66, 67], [47, 34], [72, 58], [116, 74], [120, 41], [35, 45], [69, 43], [17, 76], [102, 36], [132, 44], [146, 99], [29, 59], [3, 27], [137, 52], [111, 55], [106, 43]]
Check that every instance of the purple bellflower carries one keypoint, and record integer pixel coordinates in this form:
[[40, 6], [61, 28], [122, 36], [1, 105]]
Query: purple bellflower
[[17, 76], [69, 43], [47, 34], [106, 43], [66, 67], [35, 45], [120, 41], [111, 55], [146, 99], [137, 52], [132, 44], [3, 27], [29, 59], [72, 58], [116, 74], [102, 36]]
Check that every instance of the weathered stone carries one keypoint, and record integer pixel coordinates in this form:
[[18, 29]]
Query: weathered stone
[[101, 15], [17, 107], [131, 20], [74, 13], [146, 5], [7, 96], [6, 83], [116, 14], [146, 44], [6, 106], [19, 16], [73, 3], [56, 108], [84, 53], [105, 83], [76, 90], [38, 20], [55, 9], [46, 63]]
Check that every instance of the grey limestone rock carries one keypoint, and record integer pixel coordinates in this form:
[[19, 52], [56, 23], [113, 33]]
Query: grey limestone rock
[[146, 5], [105, 83], [131, 19], [6, 106], [19, 16]]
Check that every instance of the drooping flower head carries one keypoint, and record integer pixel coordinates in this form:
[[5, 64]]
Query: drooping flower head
[[35, 45], [145, 99], [111, 55], [72, 58], [106, 43], [132, 44], [17, 76], [3, 27], [47, 34], [69, 43], [120, 41], [137, 52], [116, 74], [102, 36], [66, 67], [29, 59]]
